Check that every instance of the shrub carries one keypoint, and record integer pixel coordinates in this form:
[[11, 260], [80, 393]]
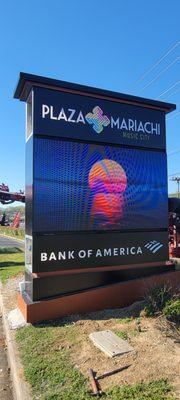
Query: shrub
[[172, 310], [156, 299]]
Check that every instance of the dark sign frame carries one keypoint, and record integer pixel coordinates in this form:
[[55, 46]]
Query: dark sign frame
[[54, 110]]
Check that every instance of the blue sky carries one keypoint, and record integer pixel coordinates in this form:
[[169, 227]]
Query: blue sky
[[108, 44]]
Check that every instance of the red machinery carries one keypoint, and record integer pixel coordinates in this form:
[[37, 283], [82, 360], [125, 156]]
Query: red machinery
[[7, 197], [16, 220], [174, 227]]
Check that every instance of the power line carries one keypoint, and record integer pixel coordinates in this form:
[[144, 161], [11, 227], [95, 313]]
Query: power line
[[158, 61], [171, 87], [177, 173], [172, 116], [173, 93], [157, 76], [173, 152]]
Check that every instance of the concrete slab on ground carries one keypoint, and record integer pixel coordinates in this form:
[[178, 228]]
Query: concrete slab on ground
[[16, 319], [110, 343]]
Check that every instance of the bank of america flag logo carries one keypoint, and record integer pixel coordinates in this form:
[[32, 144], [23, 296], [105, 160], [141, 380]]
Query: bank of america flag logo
[[97, 119], [153, 246]]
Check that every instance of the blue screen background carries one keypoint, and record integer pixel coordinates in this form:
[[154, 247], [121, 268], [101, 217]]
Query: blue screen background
[[62, 196]]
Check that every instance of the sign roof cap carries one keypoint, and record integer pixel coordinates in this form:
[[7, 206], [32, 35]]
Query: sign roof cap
[[27, 81]]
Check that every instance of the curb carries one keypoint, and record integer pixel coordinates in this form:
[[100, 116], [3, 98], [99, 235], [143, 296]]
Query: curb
[[12, 237], [20, 387]]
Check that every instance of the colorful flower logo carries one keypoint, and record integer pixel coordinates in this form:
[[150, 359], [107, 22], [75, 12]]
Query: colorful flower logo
[[97, 119]]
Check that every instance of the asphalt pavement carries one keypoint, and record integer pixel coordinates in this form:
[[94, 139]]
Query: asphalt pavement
[[11, 242]]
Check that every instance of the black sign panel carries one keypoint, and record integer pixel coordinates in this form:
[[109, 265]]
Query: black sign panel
[[86, 118], [63, 252]]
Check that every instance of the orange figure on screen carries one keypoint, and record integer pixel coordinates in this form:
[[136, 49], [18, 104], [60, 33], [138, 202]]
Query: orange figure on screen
[[108, 181]]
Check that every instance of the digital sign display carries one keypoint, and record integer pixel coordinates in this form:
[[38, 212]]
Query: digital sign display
[[94, 187]]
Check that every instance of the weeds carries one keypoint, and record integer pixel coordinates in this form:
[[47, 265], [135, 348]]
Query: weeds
[[121, 334], [172, 311], [156, 299]]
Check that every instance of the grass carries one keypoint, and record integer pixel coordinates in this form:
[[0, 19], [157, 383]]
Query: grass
[[132, 329], [47, 363], [125, 335], [46, 350], [125, 320], [156, 390], [11, 263], [121, 334], [46, 355], [14, 232]]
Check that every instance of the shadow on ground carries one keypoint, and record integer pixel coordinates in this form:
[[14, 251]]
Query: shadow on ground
[[7, 264], [133, 311]]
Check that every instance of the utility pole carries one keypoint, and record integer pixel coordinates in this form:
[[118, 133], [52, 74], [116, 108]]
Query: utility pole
[[176, 179]]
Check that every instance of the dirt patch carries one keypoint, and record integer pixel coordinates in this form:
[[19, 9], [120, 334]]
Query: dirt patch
[[156, 356]]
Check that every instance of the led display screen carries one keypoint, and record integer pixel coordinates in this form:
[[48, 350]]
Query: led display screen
[[92, 187]]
